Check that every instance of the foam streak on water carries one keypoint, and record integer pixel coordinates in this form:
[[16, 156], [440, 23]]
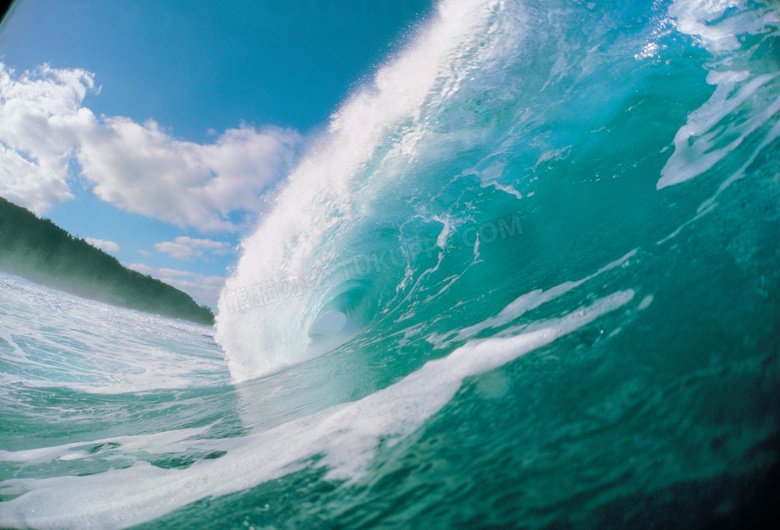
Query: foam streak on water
[[345, 436]]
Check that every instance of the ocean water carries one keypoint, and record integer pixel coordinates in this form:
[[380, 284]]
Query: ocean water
[[527, 277]]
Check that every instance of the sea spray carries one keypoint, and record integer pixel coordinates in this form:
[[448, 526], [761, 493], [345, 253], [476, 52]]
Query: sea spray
[[341, 181]]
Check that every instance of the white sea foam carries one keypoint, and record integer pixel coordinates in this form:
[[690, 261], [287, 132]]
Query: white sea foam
[[346, 438], [325, 192], [523, 304], [698, 144], [105, 349], [704, 20], [155, 443], [694, 144]]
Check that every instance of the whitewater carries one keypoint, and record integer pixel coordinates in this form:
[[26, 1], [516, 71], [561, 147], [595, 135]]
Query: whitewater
[[527, 277]]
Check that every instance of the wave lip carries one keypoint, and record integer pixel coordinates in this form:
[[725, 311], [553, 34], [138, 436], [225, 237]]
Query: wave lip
[[329, 192]]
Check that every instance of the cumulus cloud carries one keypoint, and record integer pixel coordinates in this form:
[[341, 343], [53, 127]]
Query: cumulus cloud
[[142, 169], [184, 247], [103, 244], [39, 112], [139, 168], [203, 289]]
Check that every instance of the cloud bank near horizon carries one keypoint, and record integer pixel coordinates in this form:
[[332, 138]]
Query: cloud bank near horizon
[[187, 248], [102, 244], [203, 288], [139, 168]]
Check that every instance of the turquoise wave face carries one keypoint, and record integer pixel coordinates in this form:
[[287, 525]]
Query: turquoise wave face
[[528, 277], [515, 147]]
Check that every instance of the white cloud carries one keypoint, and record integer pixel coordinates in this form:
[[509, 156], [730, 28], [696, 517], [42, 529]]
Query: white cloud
[[108, 246], [39, 112], [142, 169], [203, 289], [137, 167], [184, 247]]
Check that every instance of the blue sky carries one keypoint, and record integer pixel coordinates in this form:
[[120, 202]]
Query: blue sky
[[155, 128]]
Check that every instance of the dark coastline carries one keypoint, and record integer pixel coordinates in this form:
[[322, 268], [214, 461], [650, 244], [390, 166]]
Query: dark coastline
[[40, 251]]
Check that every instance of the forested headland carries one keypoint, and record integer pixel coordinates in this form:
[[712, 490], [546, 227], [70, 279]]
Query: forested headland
[[42, 252]]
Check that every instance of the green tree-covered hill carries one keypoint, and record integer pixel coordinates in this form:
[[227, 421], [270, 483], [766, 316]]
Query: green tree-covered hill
[[44, 253]]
